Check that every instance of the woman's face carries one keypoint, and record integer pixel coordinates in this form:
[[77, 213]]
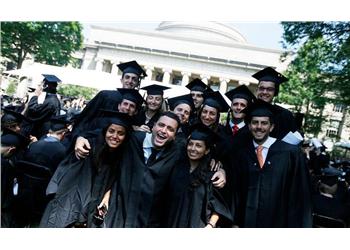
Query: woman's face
[[196, 149], [208, 115], [115, 135], [154, 102]]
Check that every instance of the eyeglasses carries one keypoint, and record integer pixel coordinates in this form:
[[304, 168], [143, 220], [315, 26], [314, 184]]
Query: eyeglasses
[[269, 89]]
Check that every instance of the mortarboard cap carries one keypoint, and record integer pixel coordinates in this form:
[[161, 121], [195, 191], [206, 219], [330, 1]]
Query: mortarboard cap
[[271, 75], [331, 175], [12, 138], [203, 133], [51, 79], [259, 108], [59, 122], [131, 95], [12, 116], [115, 117], [241, 92], [132, 67], [155, 89], [187, 99], [197, 85], [216, 100]]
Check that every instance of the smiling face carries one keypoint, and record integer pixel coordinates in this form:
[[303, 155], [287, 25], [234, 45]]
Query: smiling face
[[237, 105], [164, 131], [115, 135], [154, 102], [127, 106], [198, 98], [130, 80], [209, 115], [183, 111], [260, 127], [266, 91], [196, 149]]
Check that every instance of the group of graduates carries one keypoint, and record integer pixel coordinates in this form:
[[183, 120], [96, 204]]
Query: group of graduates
[[126, 161]]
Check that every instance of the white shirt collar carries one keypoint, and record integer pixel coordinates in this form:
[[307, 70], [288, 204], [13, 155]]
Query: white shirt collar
[[267, 143], [240, 125], [147, 142]]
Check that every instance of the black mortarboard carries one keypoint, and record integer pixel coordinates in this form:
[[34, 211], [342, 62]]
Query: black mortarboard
[[30, 89], [59, 122], [271, 75], [114, 117], [132, 67], [203, 133], [12, 116], [216, 100], [241, 92], [259, 108], [330, 176], [51, 79], [131, 95], [155, 89], [12, 138], [187, 99], [197, 85]]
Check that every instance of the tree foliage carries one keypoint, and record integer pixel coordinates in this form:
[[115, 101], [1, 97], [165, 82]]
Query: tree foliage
[[77, 91], [49, 42]]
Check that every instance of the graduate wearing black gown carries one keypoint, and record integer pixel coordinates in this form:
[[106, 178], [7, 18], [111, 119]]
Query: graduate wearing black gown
[[276, 193], [78, 186], [192, 199]]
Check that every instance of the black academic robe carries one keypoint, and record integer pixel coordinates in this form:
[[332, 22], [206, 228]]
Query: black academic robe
[[40, 114], [191, 203], [284, 122], [78, 187], [278, 195], [140, 119], [331, 207], [46, 153], [7, 182], [137, 199]]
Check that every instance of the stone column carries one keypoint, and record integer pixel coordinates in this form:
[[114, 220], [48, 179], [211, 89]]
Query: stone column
[[166, 76], [205, 78], [99, 64], [185, 78], [114, 67], [241, 82], [149, 72], [223, 84]]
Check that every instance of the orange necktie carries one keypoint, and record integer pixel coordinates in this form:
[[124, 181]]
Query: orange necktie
[[260, 156]]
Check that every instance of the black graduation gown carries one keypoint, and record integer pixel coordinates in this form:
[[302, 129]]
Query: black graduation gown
[[141, 119], [284, 122], [78, 188], [46, 153], [40, 114], [137, 199], [277, 195], [331, 207], [7, 176], [190, 206]]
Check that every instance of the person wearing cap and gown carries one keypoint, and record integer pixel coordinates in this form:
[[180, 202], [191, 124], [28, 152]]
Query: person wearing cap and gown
[[192, 201], [182, 106], [197, 90], [78, 186], [49, 150], [137, 200], [11, 143], [109, 99], [271, 182], [268, 87], [238, 132], [44, 105], [151, 112]]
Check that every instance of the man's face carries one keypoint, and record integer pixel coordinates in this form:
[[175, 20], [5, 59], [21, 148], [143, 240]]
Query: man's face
[[237, 105], [260, 127], [198, 98], [208, 115], [183, 111], [130, 81], [164, 131], [266, 91], [127, 106], [154, 102]]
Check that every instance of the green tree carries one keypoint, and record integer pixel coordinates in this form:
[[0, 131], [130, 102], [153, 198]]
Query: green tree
[[77, 91], [49, 42]]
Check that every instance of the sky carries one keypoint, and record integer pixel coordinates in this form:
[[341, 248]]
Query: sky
[[254, 32]]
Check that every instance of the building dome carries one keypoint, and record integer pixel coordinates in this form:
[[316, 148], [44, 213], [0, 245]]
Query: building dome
[[208, 31]]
